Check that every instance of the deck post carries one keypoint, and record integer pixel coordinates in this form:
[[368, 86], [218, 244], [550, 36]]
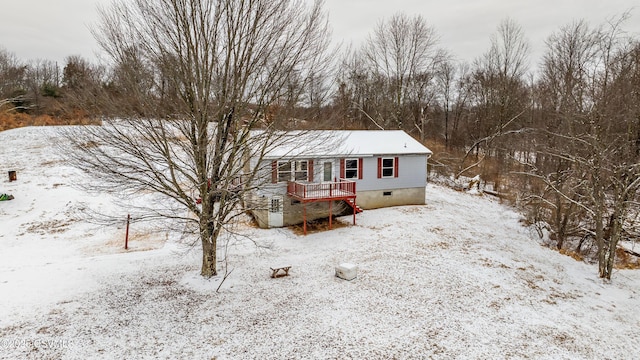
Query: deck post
[[330, 215], [304, 217], [354, 211], [353, 184]]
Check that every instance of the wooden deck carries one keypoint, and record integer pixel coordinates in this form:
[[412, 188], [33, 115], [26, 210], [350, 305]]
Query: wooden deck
[[338, 190]]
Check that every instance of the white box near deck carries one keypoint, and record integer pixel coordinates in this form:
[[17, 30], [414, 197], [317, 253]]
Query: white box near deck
[[347, 271]]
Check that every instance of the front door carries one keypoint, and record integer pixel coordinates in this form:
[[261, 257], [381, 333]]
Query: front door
[[276, 212], [327, 171]]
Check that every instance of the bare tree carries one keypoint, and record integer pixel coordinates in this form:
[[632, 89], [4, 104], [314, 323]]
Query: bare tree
[[591, 153], [500, 77], [361, 94], [43, 84], [217, 67], [403, 53], [563, 86], [452, 98], [500, 95], [13, 89], [614, 159]]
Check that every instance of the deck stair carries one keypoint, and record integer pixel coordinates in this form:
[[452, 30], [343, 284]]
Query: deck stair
[[352, 203]]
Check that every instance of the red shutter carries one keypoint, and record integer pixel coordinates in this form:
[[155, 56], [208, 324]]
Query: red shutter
[[310, 170], [274, 172], [342, 169], [360, 168], [395, 167], [379, 168]]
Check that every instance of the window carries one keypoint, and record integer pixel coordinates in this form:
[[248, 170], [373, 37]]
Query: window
[[351, 169], [284, 171], [388, 167], [293, 170], [387, 193], [300, 170], [275, 206]]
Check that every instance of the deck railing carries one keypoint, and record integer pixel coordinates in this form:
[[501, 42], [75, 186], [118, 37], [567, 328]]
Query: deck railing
[[330, 190]]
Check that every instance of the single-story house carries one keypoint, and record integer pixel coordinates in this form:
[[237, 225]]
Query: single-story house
[[312, 174]]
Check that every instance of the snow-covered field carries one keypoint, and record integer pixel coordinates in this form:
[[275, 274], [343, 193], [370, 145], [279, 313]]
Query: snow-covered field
[[458, 278]]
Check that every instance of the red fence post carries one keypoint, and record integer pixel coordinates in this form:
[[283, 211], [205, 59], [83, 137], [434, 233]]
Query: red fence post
[[126, 236]]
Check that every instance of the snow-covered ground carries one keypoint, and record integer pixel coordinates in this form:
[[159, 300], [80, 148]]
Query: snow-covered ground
[[457, 278]]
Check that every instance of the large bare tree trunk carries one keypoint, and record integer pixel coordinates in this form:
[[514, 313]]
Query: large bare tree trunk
[[209, 256]]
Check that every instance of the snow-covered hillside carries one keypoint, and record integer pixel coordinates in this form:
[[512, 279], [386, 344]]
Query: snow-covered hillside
[[457, 278]]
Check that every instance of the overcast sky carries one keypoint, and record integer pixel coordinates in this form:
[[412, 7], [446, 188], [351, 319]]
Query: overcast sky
[[55, 29]]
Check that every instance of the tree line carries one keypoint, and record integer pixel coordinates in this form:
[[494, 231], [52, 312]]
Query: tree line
[[563, 139]]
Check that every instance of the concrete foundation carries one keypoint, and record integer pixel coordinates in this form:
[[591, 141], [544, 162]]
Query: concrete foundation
[[293, 211], [390, 197], [373, 199]]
